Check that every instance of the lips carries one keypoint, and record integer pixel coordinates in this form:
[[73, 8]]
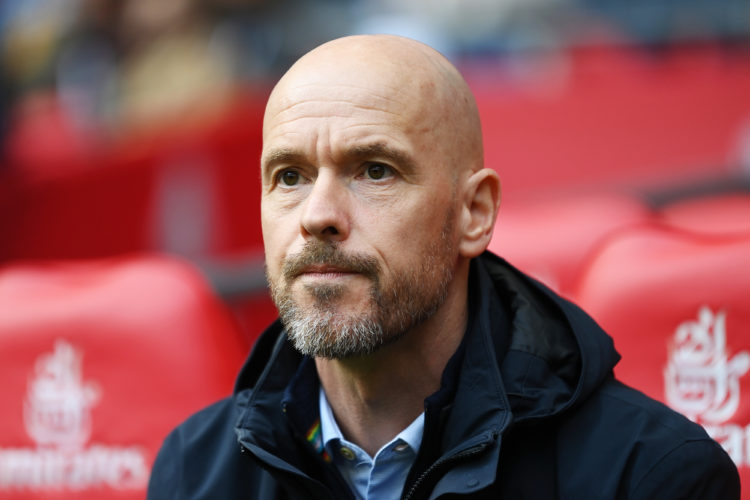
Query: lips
[[322, 258], [324, 269]]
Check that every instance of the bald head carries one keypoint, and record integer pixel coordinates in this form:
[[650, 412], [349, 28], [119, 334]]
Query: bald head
[[374, 196], [419, 85]]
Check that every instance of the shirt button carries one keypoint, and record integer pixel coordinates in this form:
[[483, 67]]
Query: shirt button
[[346, 453], [400, 447]]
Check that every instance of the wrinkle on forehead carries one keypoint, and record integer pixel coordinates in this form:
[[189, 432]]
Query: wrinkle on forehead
[[389, 72], [334, 107]]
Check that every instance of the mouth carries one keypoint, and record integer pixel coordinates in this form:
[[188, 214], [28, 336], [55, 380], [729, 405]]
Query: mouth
[[325, 271], [323, 262]]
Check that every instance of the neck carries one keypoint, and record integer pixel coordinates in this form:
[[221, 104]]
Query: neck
[[375, 397]]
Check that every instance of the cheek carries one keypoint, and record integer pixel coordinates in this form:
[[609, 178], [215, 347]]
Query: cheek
[[274, 244], [404, 241], [426, 230], [421, 220]]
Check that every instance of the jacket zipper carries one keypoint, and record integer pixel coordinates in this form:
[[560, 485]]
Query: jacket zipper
[[469, 452], [245, 451]]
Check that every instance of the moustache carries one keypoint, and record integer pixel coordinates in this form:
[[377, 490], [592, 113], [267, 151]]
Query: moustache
[[326, 253]]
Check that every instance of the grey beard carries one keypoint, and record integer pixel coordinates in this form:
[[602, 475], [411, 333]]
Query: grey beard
[[407, 300], [327, 335], [322, 332]]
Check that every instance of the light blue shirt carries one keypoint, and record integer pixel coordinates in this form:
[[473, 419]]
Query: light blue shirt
[[382, 477]]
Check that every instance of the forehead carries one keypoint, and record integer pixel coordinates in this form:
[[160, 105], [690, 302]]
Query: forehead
[[348, 82], [371, 83], [342, 114], [338, 101]]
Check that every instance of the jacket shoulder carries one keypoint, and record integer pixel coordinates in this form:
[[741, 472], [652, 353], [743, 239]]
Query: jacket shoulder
[[640, 448], [202, 458]]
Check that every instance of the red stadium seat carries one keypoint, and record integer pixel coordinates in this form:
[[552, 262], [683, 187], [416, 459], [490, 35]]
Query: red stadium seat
[[551, 238], [99, 360], [678, 306], [727, 213]]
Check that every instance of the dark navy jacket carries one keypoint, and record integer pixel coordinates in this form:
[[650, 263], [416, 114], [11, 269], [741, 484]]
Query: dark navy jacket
[[528, 408]]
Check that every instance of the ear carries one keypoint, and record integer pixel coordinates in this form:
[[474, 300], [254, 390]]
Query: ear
[[478, 212]]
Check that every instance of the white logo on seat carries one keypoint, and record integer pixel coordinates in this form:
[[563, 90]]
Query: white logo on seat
[[702, 381], [57, 415], [57, 411]]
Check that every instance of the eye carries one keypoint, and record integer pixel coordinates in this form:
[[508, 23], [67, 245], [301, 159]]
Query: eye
[[289, 177], [378, 171]]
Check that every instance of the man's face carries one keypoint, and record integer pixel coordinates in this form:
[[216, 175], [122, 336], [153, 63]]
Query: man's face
[[358, 213]]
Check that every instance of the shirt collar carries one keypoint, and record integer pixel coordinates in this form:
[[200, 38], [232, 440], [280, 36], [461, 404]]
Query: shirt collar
[[330, 431]]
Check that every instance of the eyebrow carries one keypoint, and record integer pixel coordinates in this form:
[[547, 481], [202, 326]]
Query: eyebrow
[[282, 155], [380, 150], [374, 151]]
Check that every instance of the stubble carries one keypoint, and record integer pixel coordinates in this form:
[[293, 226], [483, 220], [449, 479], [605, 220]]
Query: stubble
[[397, 303]]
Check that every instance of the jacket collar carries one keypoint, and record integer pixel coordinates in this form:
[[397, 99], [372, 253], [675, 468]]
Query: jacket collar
[[470, 381], [526, 354], [558, 355]]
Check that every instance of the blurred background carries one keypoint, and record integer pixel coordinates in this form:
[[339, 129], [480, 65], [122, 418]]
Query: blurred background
[[132, 127], [129, 125]]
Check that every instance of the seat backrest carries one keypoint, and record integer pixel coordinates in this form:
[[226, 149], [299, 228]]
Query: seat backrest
[[721, 213], [99, 361], [550, 239], [677, 304]]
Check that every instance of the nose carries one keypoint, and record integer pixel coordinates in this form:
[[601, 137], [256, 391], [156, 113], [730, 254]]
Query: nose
[[325, 213]]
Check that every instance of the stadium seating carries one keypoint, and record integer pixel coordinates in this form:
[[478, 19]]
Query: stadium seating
[[677, 303], [552, 238], [718, 213], [99, 360]]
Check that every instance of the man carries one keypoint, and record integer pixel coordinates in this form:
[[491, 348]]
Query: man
[[408, 362]]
